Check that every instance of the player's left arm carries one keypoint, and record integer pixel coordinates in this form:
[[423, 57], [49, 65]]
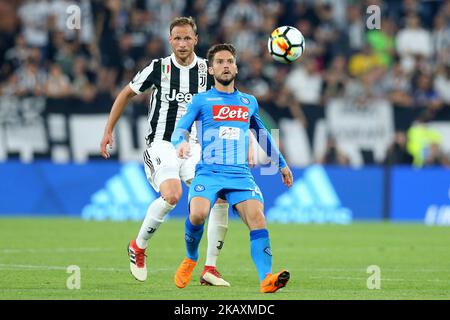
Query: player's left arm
[[271, 148]]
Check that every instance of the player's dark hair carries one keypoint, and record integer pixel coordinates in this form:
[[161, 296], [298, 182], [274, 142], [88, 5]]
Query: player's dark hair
[[183, 21], [220, 47]]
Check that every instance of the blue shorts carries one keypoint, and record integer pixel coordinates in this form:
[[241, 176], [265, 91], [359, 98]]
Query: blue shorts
[[234, 188]]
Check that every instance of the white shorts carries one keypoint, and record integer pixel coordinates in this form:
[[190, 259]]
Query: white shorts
[[161, 163]]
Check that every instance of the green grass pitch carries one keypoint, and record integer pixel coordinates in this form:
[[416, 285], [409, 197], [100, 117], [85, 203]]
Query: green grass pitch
[[325, 261]]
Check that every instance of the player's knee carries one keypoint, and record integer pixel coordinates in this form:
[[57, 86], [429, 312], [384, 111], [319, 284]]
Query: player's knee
[[258, 221], [198, 216], [172, 197]]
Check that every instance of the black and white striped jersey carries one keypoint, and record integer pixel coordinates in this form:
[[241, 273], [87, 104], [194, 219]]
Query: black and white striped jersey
[[173, 86]]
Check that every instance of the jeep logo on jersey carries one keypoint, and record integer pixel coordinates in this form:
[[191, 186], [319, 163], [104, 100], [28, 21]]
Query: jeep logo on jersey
[[230, 113], [179, 96]]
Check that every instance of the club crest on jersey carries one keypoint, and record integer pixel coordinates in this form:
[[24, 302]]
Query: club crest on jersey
[[202, 80], [199, 188], [230, 113], [245, 100]]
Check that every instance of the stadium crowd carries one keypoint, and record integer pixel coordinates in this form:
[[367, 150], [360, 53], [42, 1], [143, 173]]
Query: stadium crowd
[[407, 60]]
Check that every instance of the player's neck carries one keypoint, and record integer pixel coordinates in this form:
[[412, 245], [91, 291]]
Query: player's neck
[[225, 89], [185, 62]]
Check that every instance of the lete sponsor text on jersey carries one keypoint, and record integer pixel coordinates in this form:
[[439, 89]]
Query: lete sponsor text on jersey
[[230, 113]]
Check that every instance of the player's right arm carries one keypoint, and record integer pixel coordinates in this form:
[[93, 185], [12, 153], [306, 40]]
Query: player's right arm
[[180, 136], [142, 81], [116, 111]]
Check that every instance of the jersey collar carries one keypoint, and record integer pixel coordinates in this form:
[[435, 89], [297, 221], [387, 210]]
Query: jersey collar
[[179, 66], [236, 91]]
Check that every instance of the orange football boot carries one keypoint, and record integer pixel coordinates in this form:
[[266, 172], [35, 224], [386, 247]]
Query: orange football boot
[[184, 273], [276, 281]]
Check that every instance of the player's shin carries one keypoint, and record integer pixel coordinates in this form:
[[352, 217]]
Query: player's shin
[[261, 252], [192, 235], [217, 229], [155, 216]]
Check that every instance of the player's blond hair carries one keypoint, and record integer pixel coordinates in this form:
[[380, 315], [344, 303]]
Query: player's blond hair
[[183, 21]]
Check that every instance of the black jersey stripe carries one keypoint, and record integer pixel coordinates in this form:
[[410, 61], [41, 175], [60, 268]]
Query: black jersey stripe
[[157, 100], [149, 81], [173, 105], [193, 80]]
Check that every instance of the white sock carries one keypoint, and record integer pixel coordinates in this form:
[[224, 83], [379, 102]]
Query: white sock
[[217, 228], [155, 216]]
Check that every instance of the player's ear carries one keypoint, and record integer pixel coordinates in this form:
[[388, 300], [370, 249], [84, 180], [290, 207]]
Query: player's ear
[[211, 71]]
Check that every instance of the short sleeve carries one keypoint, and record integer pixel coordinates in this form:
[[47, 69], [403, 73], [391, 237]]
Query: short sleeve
[[144, 79]]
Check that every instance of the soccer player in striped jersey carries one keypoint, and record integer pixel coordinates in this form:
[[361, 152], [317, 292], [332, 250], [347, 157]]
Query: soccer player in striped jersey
[[172, 81]]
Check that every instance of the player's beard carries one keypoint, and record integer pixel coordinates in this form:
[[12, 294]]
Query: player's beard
[[225, 82]]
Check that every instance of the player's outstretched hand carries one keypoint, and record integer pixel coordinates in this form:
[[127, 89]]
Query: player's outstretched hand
[[107, 140], [184, 150], [286, 176]]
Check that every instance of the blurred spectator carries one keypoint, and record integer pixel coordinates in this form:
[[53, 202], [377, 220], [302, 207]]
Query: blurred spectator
[[420, 137], [355, 27], [17, 55], [397, 153], [162, 13], [256, 83], [313, 47], [280, 103], [65, 53], [333, 155], [305, 82], [425, 95], [365, 87], [243, 36], [442, 83], [57, 85], [363, 61], [397, 85], [82, 88], [334, 80], [413, 40], [435, 156], [328, 34], [30, 79], [382, 42], [242, 10], [34, 14], [441, 39]]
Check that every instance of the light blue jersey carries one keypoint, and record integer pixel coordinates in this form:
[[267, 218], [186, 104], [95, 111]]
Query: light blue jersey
[[224, 120]]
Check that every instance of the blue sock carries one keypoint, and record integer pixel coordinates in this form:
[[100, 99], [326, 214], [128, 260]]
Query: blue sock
[[261, 252], [192, 236]]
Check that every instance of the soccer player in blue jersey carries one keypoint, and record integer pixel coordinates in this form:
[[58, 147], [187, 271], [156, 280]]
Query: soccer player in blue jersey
[[224, 117]]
